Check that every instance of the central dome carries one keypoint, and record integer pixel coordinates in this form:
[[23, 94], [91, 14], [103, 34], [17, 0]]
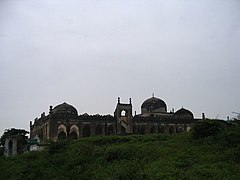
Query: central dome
[[64, 108], [153, 105]]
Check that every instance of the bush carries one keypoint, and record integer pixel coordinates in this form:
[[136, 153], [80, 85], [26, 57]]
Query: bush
[[131, 157], [230, 137], [57, 147], [207, 128]]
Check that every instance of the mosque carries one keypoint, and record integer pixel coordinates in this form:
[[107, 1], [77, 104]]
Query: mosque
[[64, 122]]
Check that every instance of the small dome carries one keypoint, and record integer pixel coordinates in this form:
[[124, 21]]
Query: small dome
[[153, 105], [184, 113], [64, 108]]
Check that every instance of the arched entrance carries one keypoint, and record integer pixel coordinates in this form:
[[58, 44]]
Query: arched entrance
[[10, 148], [86, 131], [180, 129], [73, 135], [62, 136], [74, 132]]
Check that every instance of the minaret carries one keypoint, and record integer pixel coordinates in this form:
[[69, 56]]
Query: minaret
[[123, 114]]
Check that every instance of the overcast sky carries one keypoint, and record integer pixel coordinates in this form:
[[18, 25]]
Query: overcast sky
[[89, 52]]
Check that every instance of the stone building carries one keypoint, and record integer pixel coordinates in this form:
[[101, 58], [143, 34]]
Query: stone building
[[14, 144], [64, 122]]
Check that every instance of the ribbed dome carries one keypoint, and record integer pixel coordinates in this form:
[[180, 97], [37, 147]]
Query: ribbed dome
[[64, 108], [184, 113], [153, 105]]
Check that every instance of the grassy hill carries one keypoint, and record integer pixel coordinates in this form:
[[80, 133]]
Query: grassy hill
[[160, 156]]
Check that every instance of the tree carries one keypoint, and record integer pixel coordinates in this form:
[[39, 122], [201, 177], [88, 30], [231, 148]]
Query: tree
[[11, 132], [207, 128]]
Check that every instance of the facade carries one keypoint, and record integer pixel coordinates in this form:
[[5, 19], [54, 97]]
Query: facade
[[63, 121], [14, 144]]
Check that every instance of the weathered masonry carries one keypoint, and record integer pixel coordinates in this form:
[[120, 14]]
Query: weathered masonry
[[64, 122]]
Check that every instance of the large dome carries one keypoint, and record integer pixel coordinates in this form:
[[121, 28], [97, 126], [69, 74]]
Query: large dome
[[153, 105], [64, 108], [184, 113]]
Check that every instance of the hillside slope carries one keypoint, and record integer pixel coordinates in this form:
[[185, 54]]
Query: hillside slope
[[131, 157]]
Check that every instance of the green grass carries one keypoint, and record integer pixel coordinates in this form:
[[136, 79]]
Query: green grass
[[156, 156]]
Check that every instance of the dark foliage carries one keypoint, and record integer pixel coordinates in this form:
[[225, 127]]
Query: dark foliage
[[57, 147], [208, 128], [134, 157], [11, 132]]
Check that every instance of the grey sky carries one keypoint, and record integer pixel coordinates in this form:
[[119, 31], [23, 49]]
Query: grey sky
[[89, 52]]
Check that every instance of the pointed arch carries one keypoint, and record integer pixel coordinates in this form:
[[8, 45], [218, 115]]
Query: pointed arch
[[74, 132], [180, 129], [62, 132], [73, 135], [62, 136], [10, 148], [61, 128]]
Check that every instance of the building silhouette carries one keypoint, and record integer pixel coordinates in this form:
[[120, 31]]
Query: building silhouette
[[64, 122]]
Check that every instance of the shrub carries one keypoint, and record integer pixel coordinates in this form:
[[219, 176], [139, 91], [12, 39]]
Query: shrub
[[230, 137], [57, 147], [207, 128]]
